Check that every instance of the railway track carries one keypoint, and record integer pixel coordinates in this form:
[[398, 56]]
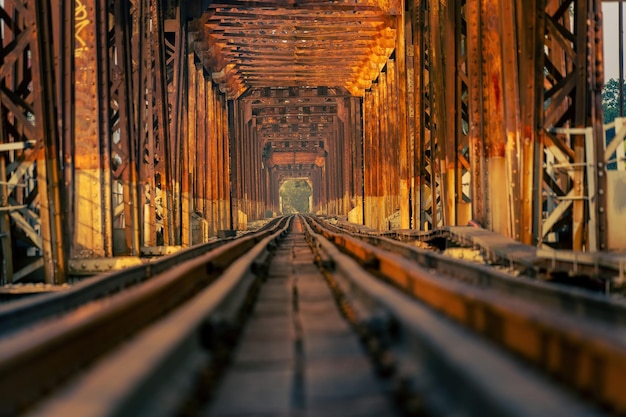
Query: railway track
[[603, 272], [256, 326], [83, 325], [29, 311], [562, 297], [574, 336]]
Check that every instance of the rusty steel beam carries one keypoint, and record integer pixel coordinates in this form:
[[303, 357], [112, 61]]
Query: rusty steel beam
[[430, 112], [175, 36], [571, 99], [430, 205], [124, 150], [461, 100], [189, 153], [31, 176], [477, 94], [246, 42], [91, 179], [494, 138], [297, 131], [154, 141], [211, 159], [118, 66], [48, 163]]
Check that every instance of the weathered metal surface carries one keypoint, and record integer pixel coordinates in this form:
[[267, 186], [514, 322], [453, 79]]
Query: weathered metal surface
[[82, 331], [260, 44], [179, 117], [295, 132], [92, 230], [503, 320], [28, 115], [492, 102], [570, 100]]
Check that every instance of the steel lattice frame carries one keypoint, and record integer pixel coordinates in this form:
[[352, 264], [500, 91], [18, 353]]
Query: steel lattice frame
[[474, 103], [106, 178], [572, 99], [478, 112], [29, 162]]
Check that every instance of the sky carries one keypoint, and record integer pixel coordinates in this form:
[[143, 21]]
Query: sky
[[611, 39]]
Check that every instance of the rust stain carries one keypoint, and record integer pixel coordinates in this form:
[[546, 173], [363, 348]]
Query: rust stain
[[497, 91], [497, 149], [528, 132]]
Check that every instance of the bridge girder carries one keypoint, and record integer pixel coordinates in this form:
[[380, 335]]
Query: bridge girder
[[128, 126]]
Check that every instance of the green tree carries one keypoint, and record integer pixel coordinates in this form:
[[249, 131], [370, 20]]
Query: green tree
[[295, 195], [610, 100]]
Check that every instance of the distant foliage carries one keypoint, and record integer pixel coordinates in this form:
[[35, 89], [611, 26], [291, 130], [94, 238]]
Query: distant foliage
[[610, 100], [295, 195]]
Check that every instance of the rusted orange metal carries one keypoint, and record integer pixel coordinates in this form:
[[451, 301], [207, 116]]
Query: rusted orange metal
[[414, 113]]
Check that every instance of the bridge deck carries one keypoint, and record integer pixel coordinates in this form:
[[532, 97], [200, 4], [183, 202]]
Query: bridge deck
[[297, 355]]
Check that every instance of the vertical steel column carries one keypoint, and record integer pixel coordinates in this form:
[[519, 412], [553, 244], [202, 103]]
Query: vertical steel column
[[124, 164], [375, 166], [439, 116], [92, 152], [493, 116], [219, 168], [570, 97], [220, 174], [232, 151], [343, 114], [595, 84], [227, 174], [357, 139], [64, 44], [162, 141], [7, 67], [211, 167], [580, 97], [333, 163], [385, 169], [253, 182], [148, 51], [175, 43], [223, 172], [367, 150], [462, 182], [38, 22], [511, 104], [420, 35], [429, 202], [247, 193], [477, 149], [189, 154], [410, 28], [201, 142], [530, 72], [6, 243], [393, 121], [142, 55], [406, 129]]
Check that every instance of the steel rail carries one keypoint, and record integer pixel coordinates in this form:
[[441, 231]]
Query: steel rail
[[609, 267], [587, 355], [35, 361], [450, 370], [574, 301], [27, 312]]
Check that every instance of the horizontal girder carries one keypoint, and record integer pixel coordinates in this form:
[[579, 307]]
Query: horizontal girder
[[311, 43]]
